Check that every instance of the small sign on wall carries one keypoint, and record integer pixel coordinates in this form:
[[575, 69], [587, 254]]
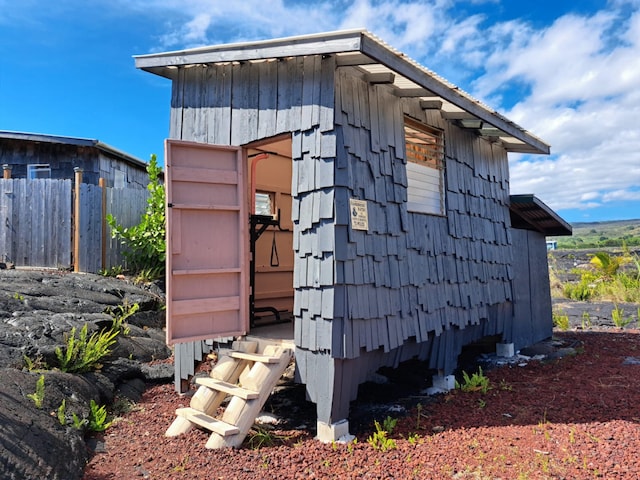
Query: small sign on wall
[[359, 217]]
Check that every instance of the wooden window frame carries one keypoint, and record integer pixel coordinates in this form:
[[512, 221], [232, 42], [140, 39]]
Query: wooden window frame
[[35, 169], [424, 150]]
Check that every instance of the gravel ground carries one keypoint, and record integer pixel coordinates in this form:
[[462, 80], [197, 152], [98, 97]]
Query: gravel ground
[[570, 417]]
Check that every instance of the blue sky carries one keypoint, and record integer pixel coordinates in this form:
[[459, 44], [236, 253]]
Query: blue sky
[[568, 71]]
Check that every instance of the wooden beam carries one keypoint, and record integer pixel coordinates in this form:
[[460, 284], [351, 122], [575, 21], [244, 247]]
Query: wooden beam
[[102, 182], [379, 78], [448, 115], [431, 104], [412, 92], [76, 219], [450, 93]]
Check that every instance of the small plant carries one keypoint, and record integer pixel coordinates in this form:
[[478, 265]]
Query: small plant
[[561, 321], [182, 466], [260, 437], [474, 383], [18, 296], [379, 439], [413, 438], [120, 314], [34, 365], [389, 424], [78, 423], [586, 320], [97, 417], [505, 386], [62, 412], [112, 272], [38, 395], [619, 320], [481, 403], [83, 353]]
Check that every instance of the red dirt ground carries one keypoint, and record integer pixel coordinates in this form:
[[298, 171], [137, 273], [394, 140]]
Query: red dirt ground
[[577, 417]]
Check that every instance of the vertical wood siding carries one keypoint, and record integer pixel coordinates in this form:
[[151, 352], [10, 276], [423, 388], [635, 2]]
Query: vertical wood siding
[[533, 319], [36, 222]]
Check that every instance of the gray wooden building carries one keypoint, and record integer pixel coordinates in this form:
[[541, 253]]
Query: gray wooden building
[[32, 155], [386, 193]]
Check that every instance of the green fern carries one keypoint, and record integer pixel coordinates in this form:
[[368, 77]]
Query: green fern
[[38, 395], [83, 353], [98, 417], [62, 412]]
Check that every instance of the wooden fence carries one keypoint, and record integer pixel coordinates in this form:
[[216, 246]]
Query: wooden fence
[[37, 223]]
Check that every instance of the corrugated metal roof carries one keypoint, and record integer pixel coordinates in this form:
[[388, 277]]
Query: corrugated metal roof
[[530, 213], [375, 59]]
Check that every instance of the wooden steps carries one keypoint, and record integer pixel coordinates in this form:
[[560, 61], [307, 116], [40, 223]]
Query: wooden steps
[[255, 357], [245, 376], [207, 421], [228, 388]]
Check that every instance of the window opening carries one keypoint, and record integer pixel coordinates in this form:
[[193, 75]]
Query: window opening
[[264, 203], [424, 148], [39, 170], [119, 179]]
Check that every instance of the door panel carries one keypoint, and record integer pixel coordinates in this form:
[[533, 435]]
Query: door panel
[[207, 283]]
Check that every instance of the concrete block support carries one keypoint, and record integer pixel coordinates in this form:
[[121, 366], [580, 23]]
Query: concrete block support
[[335, 432], [444, 382], [505, 350]]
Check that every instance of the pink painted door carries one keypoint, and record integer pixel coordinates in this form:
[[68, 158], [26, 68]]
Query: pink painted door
[[207, 243]]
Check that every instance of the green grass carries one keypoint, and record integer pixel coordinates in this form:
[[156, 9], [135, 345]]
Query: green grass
[[602, 234]]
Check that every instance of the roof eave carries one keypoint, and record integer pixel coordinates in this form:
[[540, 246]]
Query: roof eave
[[320, 44], [371, 50]]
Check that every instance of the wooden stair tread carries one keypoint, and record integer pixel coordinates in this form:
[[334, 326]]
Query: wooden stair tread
[[229, 388], [255, 357], [207, 421]]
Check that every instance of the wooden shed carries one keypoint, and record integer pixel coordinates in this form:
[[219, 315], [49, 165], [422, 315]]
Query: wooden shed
[[331, 177], [34, 155]]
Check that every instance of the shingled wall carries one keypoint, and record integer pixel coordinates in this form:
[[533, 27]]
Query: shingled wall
[[413, 284], [238, 103]]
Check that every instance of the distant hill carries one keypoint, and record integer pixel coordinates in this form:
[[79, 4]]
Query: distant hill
[[602, 234]]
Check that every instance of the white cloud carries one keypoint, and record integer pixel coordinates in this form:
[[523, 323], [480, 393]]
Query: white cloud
[[573, 82]]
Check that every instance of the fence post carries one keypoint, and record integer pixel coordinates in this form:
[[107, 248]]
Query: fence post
[[102, 182], [76, 223], [6, 171]]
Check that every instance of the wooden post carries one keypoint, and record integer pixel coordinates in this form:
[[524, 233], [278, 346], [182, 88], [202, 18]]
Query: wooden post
[[6, 171], [76, 216], [103, 185]]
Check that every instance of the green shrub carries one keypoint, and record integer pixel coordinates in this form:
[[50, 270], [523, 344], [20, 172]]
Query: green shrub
[[83, 353], [145, 243], [581, 291]]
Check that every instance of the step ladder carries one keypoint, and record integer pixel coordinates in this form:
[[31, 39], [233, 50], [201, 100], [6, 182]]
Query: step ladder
[[244, 375]]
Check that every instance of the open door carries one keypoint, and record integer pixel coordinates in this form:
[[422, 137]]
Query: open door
[[207, 283]]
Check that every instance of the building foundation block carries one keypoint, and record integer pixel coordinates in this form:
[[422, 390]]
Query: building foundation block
[[334, 432], [444, 382], [505, 350]]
